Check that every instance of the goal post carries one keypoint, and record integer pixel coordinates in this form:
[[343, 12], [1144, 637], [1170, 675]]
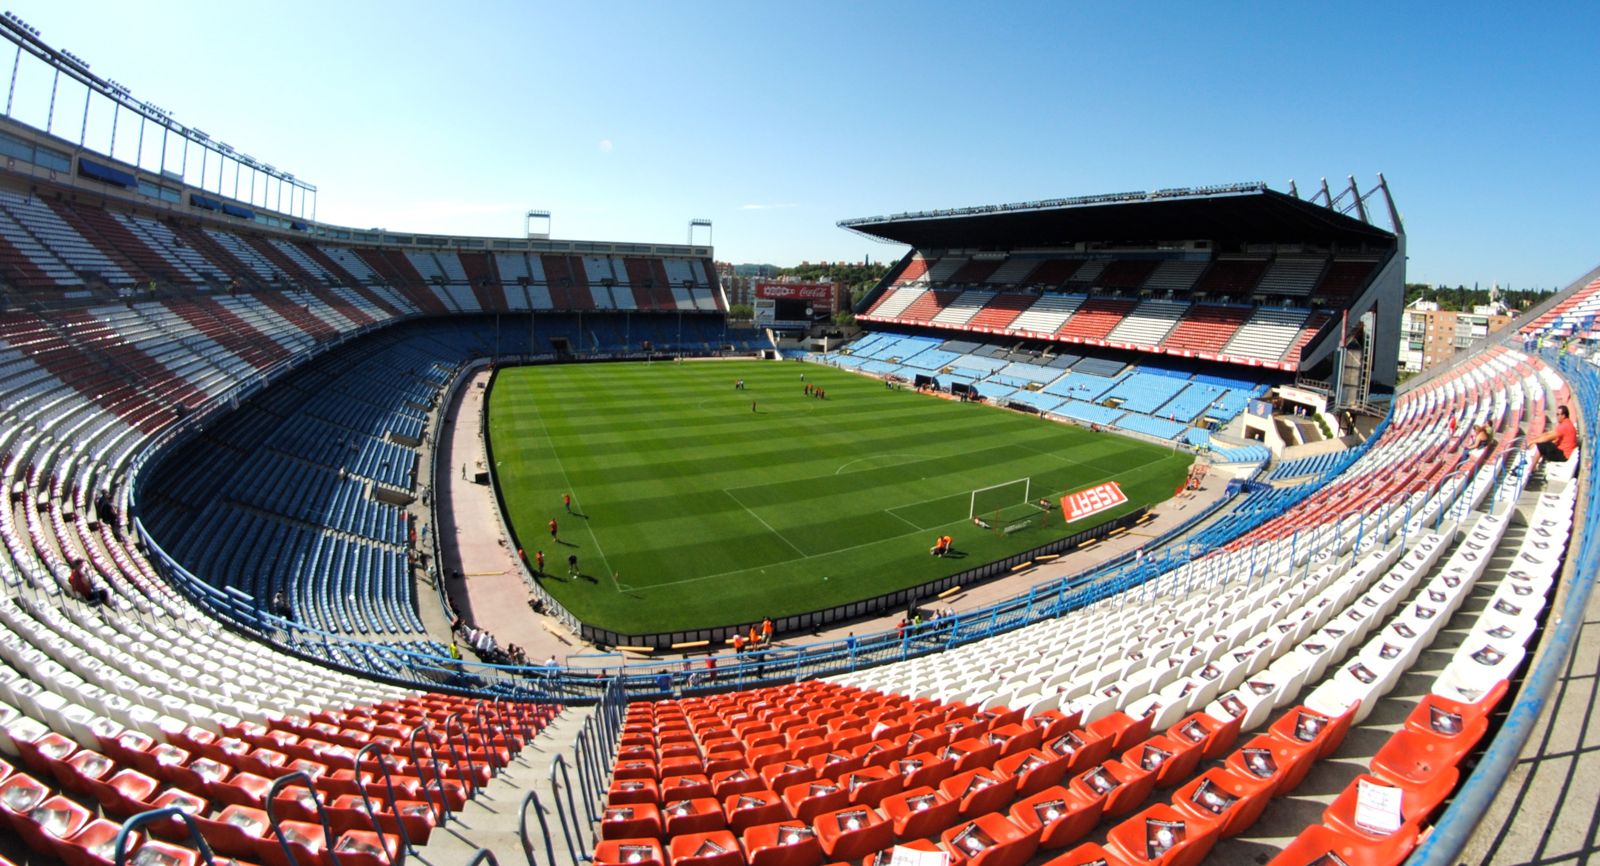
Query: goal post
[[988, 500]]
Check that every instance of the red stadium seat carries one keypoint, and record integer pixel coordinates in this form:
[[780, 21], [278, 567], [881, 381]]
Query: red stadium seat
[[852, 832], [1416, 802], [1163, 835], [1061, 815], [1217, 737], [698, 815], [1034, 770], [1411, 757], [1440, 715], [1172, 760], [630, 852], [306, 840], [726, 784], [625, 791], [752, 808], [636, 821], [1273, 758], [172, 798], [1084, 747], [1124, 730], [809, 799], [366, 848], [154, 851], [971, 753], [54, 819], [94, 845], [990, 839], [781, 775], [781, 843], [869, 785], [716, 848], [236, 831], [924, 768], [1014, 738], [833, 764], [686, 787], [1121, 788], [919, 812], [979, 791], [1234, 801], [1306, 726]]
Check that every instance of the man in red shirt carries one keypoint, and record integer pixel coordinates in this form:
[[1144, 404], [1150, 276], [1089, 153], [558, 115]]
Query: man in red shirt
[[1558, 444]]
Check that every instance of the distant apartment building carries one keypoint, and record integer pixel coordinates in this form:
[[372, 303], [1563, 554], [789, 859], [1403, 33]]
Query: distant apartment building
[[1430, 336]]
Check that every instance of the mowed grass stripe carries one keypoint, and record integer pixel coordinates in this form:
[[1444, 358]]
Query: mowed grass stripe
[[710, 514]]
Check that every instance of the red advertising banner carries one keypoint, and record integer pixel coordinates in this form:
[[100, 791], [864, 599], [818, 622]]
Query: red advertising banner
[[1092, 500]]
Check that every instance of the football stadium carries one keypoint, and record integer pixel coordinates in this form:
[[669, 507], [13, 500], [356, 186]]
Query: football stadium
[[1108, 533]]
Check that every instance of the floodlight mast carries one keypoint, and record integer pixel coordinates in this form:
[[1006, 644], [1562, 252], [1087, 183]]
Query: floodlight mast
[[538, 215], [699, 222]]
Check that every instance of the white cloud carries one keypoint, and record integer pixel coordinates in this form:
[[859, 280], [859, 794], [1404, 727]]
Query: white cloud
[[605, 145], [766, 206]]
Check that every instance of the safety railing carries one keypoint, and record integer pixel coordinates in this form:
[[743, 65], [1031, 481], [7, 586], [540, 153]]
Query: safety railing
[[574, 804], [299, 777], [119, 855], [381, 760]]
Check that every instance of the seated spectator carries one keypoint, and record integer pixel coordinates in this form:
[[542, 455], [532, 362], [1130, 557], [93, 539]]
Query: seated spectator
[[83, 586], [1558, 444], [1482, 438]]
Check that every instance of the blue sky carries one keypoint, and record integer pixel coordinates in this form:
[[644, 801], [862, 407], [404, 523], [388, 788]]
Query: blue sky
[[776, 120]]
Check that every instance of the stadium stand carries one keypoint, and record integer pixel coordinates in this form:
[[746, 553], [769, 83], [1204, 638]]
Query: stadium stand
[[1156, 710]]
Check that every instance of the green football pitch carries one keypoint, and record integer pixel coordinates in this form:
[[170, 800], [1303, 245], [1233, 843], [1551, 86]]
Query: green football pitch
[[690, 510]]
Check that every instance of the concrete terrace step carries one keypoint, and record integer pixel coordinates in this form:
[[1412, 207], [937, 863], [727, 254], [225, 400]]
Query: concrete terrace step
[[490, 819]]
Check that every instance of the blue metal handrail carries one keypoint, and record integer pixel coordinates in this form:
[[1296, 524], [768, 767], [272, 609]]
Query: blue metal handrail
[[571, 830], [441, 812], [382, 760], [544, 829], [299, 777], [120, 851], [454, 721]]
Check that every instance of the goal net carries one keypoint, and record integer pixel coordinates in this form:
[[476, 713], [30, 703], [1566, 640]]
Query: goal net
[[997, 498]]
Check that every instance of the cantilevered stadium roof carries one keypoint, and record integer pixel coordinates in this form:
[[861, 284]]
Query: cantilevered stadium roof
[[1241, 213]]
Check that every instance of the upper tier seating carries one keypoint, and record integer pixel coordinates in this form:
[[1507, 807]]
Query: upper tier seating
[[1096, 318], [1291, 275], [1149, 323], [1267, 335], [1236, 278], [1206, 328]]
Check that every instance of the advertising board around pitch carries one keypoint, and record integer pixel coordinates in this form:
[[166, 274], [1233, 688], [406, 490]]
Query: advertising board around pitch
[[1092, 500]]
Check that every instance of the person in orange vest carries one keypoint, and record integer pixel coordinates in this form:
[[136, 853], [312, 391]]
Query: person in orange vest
[[766, 630], [538, 559], [738, 643], [946, 543], [553, 528], [754, 637], [566, 500]]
